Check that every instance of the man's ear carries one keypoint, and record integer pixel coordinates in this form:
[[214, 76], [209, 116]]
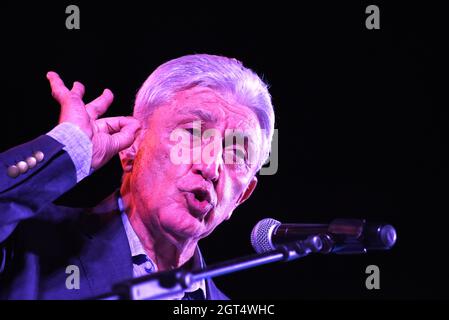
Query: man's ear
[[127, 157], [249, 190]]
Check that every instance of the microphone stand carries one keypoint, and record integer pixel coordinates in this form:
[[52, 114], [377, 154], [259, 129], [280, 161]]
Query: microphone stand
[[164, 284]]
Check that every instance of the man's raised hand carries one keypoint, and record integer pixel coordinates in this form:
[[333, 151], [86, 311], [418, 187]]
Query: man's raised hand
[[108, 135]]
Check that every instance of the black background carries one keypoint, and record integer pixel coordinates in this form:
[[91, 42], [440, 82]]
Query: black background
[[362, 132]]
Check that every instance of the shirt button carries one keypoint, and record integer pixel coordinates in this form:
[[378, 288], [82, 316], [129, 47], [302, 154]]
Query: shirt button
[[148, 267], [39, 155], [23, 166], [31, 161]]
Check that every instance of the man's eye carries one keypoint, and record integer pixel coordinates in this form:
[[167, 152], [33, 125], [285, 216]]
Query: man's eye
[[235, 156], [194, 132], [240, 154]]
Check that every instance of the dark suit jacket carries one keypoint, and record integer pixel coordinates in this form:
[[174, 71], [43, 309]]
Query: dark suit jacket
[[38, 239]]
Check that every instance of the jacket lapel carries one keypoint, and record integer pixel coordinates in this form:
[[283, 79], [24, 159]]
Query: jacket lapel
[[212, 292], [106, 259]]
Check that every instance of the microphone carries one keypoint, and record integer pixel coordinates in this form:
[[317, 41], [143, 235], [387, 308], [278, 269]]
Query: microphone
[[341, 236]]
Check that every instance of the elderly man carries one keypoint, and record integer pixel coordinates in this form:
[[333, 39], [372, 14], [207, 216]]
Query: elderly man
[[164, 206]]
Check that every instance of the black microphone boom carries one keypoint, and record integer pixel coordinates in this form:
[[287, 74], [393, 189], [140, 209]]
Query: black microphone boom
[[342, 236]]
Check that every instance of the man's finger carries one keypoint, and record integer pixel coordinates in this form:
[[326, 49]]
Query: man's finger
[[58, 89], [122, 129], [78, 89], [113, 125], [99, 106], [125, 137]]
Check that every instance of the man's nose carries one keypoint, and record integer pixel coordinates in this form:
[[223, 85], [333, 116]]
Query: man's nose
[[210, 165]]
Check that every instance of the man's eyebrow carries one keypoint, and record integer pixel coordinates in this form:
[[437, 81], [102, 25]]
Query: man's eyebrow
[[203, 115]]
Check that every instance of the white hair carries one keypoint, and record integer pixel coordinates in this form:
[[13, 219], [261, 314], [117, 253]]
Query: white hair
[[225, 75]]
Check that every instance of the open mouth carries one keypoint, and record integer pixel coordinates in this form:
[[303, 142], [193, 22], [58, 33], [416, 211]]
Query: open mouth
[[201, 195], [199, 202]]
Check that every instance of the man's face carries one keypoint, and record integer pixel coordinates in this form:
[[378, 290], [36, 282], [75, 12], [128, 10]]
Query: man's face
[[188, 200]]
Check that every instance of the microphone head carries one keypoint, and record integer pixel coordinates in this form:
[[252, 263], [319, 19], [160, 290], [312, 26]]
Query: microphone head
[[261, 235], [379, 236], [388, 236]]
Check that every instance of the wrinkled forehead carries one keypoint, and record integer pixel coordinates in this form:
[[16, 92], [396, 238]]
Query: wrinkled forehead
[[213, 109]]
